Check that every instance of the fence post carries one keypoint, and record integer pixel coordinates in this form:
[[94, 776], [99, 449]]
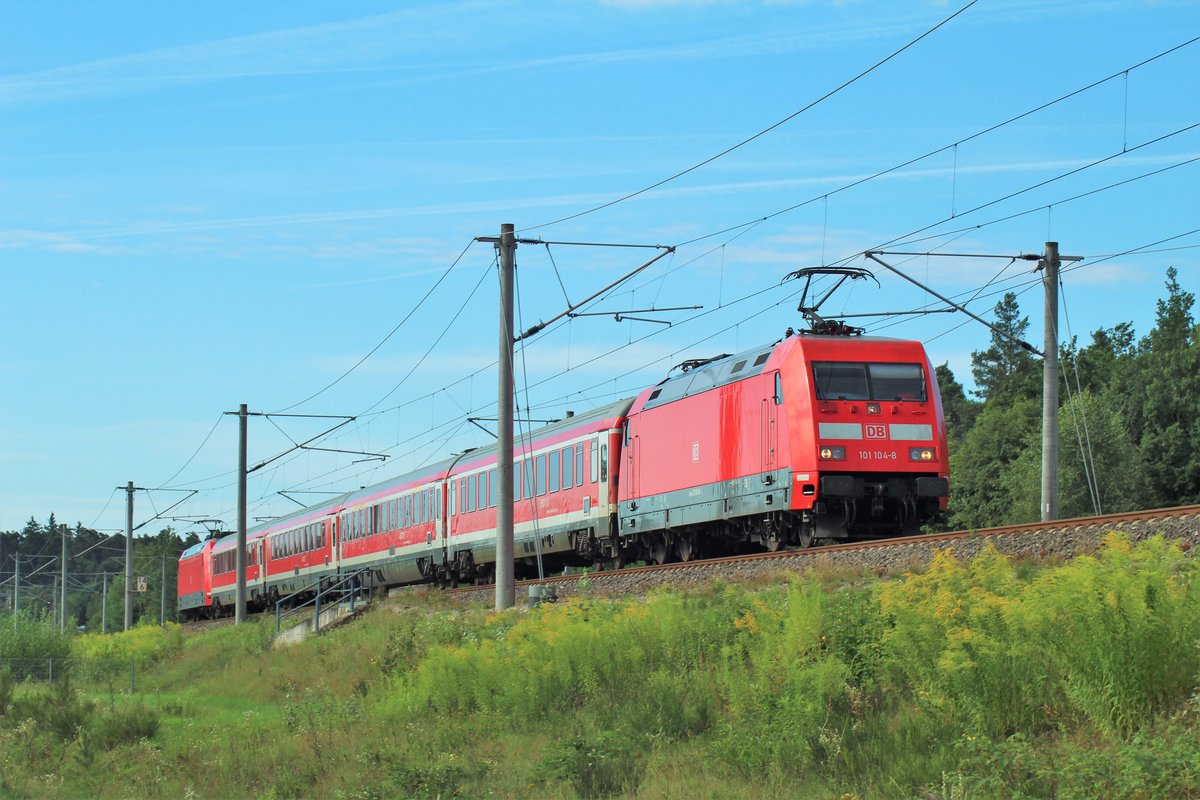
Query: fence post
[[317, 614], [51, 670]]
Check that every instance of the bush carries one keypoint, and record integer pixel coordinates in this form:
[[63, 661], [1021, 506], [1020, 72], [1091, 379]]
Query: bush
[[145, 643], [1122, 628], [596, 765], [782, 688], [27, 642], [123, 725]]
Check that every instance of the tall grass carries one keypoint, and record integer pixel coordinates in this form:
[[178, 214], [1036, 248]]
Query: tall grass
[[964, 680]]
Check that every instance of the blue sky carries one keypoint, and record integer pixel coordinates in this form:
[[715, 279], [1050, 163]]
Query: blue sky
[[209, 204]]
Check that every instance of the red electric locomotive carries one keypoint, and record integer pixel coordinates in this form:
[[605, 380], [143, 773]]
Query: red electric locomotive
[[812, 437]]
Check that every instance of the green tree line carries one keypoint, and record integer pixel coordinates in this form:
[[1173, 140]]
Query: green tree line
[[94, 558], [1132, 412]]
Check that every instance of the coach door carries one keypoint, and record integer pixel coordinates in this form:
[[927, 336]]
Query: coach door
[[632, 473], [335, 537]]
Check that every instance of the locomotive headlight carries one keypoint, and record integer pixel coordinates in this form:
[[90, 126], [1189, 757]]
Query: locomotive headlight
[[832, 453], [921, 454]]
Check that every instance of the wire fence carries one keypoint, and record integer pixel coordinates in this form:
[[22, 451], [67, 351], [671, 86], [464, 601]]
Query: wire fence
[[112, 671]]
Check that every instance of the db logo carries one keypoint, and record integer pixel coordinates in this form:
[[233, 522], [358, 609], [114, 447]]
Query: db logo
[[876, 431]]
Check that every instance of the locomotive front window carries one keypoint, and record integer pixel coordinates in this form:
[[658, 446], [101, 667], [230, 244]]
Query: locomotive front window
[[898, 382], [841, 381], [856, 381]]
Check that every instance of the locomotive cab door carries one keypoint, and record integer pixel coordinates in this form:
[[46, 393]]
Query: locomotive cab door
[[769, 427]]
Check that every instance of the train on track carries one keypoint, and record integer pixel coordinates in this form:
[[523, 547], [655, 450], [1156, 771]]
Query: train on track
[[819, 436]]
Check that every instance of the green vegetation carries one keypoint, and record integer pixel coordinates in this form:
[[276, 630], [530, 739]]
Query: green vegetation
[[94, 557], [1132, 408], [981, 679]]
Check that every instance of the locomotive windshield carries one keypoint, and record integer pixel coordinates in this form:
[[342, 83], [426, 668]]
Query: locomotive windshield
[[857, 381]]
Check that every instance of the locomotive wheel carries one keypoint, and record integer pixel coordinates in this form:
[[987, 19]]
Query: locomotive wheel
[[660, 549], [805, 537], [686, 548], [773, 542]]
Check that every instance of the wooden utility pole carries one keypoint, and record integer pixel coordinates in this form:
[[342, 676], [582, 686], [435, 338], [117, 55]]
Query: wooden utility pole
[[505, 589], [128, 555], [1050, 262]]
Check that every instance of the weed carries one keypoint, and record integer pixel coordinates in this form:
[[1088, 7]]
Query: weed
[[596, 765]]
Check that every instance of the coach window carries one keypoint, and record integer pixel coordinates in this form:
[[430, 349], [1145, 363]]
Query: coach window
[[492, 488], [527, 492], [579, 464], [568, 468], [603, 462], [437, 502], [554, 470], [539, 477], [471, 493], [424, 506], [595, 447]]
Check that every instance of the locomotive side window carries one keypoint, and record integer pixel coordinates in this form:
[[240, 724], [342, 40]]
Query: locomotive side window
[[778, 389]]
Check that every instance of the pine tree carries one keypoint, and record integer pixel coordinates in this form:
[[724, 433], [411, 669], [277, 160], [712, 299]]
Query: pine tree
[[1006, 369]]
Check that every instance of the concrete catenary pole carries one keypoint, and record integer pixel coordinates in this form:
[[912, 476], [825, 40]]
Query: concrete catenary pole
[[240, 558], [1050, 386], [128, 555], [63, 582], [162, 603], [505, 592]]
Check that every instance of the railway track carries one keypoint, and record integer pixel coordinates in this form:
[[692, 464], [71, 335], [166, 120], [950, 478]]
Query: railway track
[[1059, 538]]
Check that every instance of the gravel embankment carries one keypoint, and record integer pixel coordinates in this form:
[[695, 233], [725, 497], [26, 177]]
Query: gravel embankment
[[1047, 543]]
